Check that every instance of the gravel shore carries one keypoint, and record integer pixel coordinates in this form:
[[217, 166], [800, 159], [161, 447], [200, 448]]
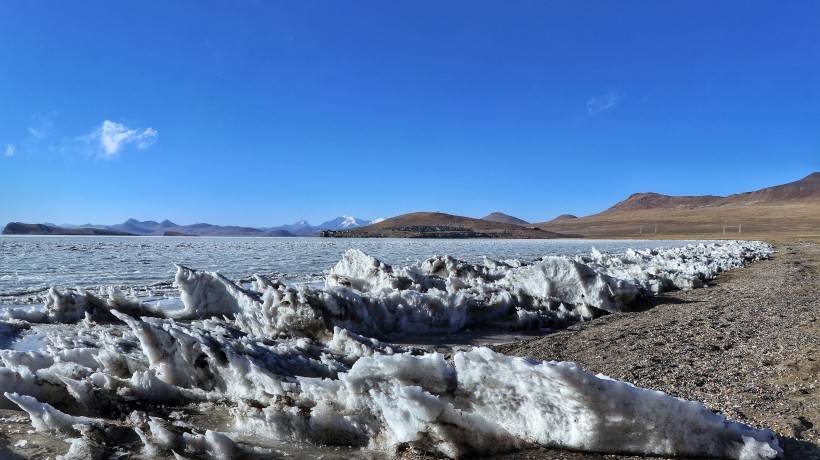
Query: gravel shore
[[746, 346]]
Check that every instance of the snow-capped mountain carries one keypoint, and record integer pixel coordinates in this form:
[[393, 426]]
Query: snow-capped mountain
[[343, 222], [294, 228], [303, 228], [154, 228]]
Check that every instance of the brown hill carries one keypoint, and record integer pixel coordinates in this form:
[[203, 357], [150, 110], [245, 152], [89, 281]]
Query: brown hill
[[785, 211], [563, 217], [657, 201], [505, 218], [440, 225], [806, 189]]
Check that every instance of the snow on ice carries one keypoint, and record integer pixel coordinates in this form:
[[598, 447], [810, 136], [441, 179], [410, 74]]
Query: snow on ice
[[314, 365]]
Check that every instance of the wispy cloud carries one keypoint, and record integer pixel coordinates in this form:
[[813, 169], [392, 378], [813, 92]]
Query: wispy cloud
[[41, 127], [9, 150], [601, 104], [112, 137]]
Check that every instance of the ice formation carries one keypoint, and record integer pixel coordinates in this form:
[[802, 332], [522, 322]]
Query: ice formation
[[302, 364]]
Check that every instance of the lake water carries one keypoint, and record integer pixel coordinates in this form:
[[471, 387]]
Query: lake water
[[29, 265]]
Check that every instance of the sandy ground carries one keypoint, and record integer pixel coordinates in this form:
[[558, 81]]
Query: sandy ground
[[747, 346]]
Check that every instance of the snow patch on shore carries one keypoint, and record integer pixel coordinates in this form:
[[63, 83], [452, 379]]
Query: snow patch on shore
[[310, 364]]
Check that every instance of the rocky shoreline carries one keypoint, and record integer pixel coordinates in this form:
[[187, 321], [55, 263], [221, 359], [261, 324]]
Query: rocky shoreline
[[746, 346]]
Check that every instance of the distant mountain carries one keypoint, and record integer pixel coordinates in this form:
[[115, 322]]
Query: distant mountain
[[343, 222], [649, 200], [303, 228], [789, 210], [439, 225], [148, 227], [135, 227], [301, 225], [806, 189], [167, 228], [564, 217], [504, 218], [19, 228], [203, 229]]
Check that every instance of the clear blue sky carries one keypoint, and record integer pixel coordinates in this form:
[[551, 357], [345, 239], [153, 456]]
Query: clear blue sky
[[263, 113]]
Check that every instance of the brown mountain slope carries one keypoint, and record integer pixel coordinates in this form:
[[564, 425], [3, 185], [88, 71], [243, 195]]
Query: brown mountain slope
[[440, 225], [806, 189], [657, 201], [505, 218], [785, 211], [564, 217]]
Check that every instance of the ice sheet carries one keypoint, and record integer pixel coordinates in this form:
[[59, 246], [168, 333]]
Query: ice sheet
[[312, 364]]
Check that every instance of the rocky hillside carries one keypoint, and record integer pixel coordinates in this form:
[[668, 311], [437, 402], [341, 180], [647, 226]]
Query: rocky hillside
[[790, 211], [806, 189], [440, 225], [505, 218]]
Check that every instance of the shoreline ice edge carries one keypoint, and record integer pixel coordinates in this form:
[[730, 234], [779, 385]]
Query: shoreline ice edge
[[297, 365]]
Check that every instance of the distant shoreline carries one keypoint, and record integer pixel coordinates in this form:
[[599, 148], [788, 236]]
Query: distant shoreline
[[23, 229]]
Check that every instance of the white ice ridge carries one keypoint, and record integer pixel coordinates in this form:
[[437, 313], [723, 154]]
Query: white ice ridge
[[301, 391], [299, 364], [438, 295], [488, 403]]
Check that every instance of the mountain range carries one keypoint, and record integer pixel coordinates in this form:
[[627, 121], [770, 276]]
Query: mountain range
[[303, 228], [136, 227], [790, 210]]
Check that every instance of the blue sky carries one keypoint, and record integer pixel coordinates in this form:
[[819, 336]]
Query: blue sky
[[263, 113]]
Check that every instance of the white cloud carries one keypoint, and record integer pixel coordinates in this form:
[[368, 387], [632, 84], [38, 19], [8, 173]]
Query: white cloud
[[9, 150], [41, 126], [601, 104], [147, 138], [113, 136]]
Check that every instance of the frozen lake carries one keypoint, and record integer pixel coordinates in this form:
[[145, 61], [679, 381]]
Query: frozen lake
[[29, 265], [261, 369]]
